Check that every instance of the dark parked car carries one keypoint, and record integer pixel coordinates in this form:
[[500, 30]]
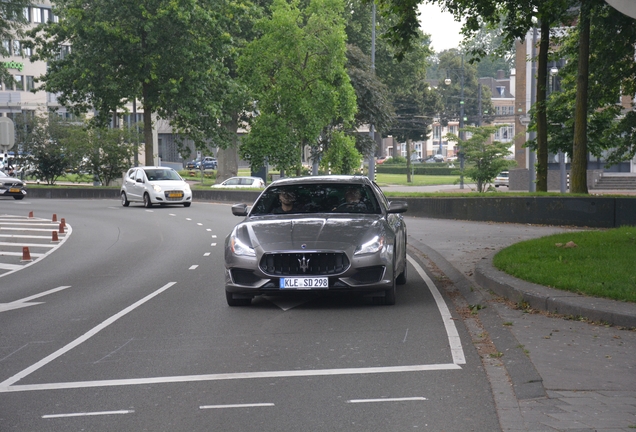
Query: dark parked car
[[12, 186], [329, 233], [208, 163]]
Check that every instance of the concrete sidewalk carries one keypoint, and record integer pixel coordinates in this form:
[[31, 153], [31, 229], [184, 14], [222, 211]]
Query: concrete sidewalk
[[548, 372]]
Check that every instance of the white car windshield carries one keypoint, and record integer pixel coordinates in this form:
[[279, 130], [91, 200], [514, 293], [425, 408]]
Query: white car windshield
[[155, 174], [317, 198]]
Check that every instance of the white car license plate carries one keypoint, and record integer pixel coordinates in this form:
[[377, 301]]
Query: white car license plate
[[304, 283]]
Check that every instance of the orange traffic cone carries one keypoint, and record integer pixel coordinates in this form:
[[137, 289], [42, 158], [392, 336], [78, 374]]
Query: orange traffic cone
[[61, 230], [30, 214], [54, 219], [54, 238], [26, 255], [63, 222]]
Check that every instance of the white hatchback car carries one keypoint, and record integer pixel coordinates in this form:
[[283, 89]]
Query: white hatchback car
[[155, 185], [241, 182], [502, 179]]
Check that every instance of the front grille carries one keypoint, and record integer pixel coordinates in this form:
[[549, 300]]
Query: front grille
[[176, 192], [304, 264]]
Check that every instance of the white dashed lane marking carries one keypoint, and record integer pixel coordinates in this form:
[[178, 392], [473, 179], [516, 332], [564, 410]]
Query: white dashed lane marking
[[192, 267], [237, 406], [86, 414]]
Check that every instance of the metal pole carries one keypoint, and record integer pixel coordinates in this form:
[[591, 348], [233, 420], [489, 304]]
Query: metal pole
[[136, 157], [461, 126], [371, 127], [532, 186]]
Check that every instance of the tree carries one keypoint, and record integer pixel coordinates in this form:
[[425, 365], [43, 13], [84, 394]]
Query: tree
[[516, 18], [12, 22], [486, 159], [47, 151], [296, 70], [166, 53], [612, 71], [450, 65], [341, 157], [106, 152]]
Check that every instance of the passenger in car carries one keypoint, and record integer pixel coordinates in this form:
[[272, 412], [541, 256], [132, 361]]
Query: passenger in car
[[287, 203]]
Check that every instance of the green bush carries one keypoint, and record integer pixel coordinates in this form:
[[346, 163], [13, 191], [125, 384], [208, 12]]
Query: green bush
[[397, 160]]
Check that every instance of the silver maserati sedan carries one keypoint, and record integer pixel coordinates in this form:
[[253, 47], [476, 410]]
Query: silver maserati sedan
[[328, 233]]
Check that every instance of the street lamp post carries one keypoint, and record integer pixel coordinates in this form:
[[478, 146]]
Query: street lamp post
[[554, 71], [447, 81]]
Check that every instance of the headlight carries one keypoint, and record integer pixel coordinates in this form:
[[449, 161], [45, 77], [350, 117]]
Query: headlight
[[157, 188], [186, 187], [239, 248], [372, 246]]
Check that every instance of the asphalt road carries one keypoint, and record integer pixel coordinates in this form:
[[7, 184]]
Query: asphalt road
[[124, 326]]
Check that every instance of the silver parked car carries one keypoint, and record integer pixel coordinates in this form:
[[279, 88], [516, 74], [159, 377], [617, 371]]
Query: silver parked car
[[330, 233], [241, 182], [155, 185], [11, 186]]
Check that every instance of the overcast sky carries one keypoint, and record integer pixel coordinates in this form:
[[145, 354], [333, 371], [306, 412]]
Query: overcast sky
[[444, 30]]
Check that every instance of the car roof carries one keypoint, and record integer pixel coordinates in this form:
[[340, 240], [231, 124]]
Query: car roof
[[358, 179]]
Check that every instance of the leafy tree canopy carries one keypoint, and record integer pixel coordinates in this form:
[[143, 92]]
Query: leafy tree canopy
[[166, 53], [296, 70]]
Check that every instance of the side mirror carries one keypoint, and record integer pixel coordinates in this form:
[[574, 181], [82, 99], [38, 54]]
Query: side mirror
[[239, 209], [398, 206], [139, 180]]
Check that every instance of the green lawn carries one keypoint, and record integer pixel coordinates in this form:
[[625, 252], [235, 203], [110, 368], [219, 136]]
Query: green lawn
[[603, 263]]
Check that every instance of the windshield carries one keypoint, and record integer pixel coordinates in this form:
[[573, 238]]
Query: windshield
[[155, 174], [317, 198]]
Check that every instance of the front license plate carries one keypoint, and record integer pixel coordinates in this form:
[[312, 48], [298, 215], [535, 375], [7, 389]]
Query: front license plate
[[304, 283], [14, 190], [175, 195]]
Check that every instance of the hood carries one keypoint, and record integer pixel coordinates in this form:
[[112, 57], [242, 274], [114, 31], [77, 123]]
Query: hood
[[168, 184], [311, 233]]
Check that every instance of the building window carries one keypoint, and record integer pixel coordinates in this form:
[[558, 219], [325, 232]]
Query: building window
[[27, 14], [29, 83], [16, 48], [27, 51], [46, 15], [504, 134], [437, 132], [6, 46], [19, 82], [452, 129], [65, 50], [37, 15]]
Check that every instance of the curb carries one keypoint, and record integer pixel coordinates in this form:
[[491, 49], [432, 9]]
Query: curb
[[551, 300]]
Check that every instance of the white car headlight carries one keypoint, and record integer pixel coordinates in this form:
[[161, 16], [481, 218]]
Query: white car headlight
[[239, 248], [372, 246], [186, 187], [157, 188]]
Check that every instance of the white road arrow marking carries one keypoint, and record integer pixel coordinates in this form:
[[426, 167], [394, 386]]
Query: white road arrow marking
[[25, 302]]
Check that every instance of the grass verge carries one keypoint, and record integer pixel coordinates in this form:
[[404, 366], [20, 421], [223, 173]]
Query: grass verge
[[600, 265]]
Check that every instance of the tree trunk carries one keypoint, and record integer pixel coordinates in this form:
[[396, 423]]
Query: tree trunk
[[148, 139], [227, 158], [578, 174], [542, 120]]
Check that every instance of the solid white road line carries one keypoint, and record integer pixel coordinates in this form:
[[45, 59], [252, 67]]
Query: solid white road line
[[17, 377], [237, 406], [453, 337], [6, 386], [27, 244], [404, 399], [85, 414]]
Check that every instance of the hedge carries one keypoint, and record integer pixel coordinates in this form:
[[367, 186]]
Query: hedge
[[420, 169]]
